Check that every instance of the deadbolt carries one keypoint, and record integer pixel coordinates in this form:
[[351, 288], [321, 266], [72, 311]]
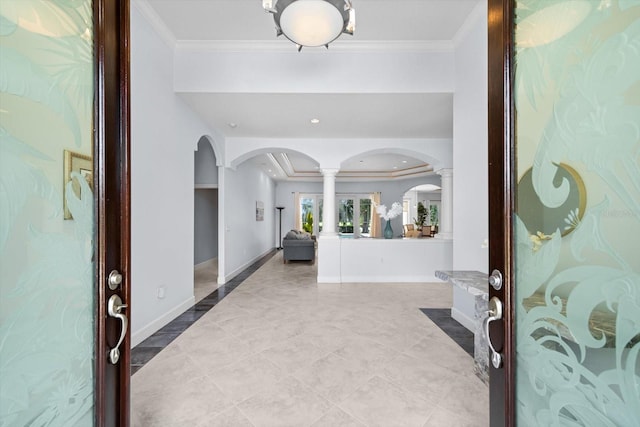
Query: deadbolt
[[114, 280], [495, 280]]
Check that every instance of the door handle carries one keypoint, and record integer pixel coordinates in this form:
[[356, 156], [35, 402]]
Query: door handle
[[494, 313], [114, 309]]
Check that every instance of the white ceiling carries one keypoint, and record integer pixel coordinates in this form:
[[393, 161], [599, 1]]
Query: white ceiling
[[376, 20], [357, 115]]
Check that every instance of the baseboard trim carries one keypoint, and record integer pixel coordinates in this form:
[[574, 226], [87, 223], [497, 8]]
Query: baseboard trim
[[206, 263], [329, 279], [240, 269], [146, 331], [463, 319]]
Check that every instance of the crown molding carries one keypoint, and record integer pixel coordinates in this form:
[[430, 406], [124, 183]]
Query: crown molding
[[156, 22], [283, 45]]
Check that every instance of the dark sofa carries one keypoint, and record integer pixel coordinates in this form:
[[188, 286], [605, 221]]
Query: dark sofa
[[298, 246]]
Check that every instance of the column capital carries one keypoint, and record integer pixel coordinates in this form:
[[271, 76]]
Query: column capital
[[446, 172], [329, 172]]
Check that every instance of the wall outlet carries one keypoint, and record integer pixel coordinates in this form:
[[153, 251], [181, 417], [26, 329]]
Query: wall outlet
[[161, 292]]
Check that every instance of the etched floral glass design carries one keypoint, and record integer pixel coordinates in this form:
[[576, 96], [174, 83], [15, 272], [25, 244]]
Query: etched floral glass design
[[46, 262], [577, 92]]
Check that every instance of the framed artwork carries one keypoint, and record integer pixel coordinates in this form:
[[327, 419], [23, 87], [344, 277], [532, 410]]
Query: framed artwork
[[259, 211], [81, 164]]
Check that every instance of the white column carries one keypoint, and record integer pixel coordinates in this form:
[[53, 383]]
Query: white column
[[445, 230], [329, 203]]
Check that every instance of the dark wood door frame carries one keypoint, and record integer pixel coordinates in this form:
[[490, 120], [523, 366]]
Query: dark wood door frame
[[112, 203], [501, 116]]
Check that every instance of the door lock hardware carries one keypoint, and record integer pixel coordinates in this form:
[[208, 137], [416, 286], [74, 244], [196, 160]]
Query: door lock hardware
[[114, 309], [495, 280], [495, 313], [114, 280]]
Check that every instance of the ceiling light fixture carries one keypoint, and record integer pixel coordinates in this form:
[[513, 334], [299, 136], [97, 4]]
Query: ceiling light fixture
[[312, 23], [314, 121]]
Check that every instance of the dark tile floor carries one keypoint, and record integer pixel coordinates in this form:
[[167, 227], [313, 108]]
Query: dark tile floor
[[442, 318], [146, 350]]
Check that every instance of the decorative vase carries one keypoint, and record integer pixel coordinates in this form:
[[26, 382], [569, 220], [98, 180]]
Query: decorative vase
[[388, 231]]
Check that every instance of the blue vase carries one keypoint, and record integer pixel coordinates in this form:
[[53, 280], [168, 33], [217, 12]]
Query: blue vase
[[388, 231]]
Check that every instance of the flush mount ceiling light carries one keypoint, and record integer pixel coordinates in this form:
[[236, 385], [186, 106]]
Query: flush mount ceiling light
[[312, 23]]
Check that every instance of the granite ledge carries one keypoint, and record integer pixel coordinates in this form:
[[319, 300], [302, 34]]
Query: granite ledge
[[474, 282]]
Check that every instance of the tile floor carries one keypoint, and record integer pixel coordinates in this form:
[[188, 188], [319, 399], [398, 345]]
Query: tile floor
[[205, 279], [281, 350]]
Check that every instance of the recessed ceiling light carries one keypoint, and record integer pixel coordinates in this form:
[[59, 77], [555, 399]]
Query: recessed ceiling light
[[269, 170], [404, 161], [395, 167], [232, 125], [315, 121]]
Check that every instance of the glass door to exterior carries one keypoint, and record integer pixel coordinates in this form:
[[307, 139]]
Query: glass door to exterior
[[54, 331], [345, 216], [565, 215]]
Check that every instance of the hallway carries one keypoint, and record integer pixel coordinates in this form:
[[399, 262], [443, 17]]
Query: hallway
[[281, 350]]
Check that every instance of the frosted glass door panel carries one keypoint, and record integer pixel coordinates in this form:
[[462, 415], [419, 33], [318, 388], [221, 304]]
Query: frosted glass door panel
[[46, 213], [577, 93]]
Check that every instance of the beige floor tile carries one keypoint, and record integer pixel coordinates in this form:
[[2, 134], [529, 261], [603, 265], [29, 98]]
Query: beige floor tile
[[205, 279], [441, 350], [381, 403], [429, 381], [179, 404], [291, 352], [294, 353], [468, 397], [441, 417], [162, 373], [247, 377], [285, 403], [369, 354], [229, 418], [334, 377], [219, 353], [336, 417]]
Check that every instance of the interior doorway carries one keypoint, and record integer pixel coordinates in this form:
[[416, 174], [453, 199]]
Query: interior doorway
[[205, 221]]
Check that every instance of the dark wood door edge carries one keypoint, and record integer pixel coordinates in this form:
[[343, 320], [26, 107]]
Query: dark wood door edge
[[501, 200], [112, 202]]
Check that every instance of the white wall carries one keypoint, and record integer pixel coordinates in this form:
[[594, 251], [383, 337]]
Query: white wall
[[205, 234], [202, 69], [206, 171], [164, 132], [470, 182], [245, 238]]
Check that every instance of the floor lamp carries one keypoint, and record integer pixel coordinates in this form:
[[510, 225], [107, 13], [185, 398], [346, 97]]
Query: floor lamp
[[280, 227]]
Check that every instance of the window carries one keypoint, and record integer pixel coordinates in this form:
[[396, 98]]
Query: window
[[353, 214]]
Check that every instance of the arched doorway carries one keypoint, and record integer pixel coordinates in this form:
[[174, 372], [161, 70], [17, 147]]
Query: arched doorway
[[205, 220]]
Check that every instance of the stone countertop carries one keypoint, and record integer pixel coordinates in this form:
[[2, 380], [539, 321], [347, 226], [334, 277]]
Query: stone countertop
[[474, 282]]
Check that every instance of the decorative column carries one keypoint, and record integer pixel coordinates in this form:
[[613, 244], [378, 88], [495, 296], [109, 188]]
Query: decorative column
[[445, 230], [329, 203]]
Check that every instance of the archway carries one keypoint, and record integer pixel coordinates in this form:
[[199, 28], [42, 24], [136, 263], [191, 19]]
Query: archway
[[205, 221]]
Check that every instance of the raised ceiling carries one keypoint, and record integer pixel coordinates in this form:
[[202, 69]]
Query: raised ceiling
[[380, 23]]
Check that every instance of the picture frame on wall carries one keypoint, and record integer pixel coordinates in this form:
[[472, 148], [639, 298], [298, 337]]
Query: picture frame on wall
[[259, 211], [81, 164]]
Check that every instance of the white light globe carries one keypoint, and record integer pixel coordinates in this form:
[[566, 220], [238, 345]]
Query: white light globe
[[311, 22]]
